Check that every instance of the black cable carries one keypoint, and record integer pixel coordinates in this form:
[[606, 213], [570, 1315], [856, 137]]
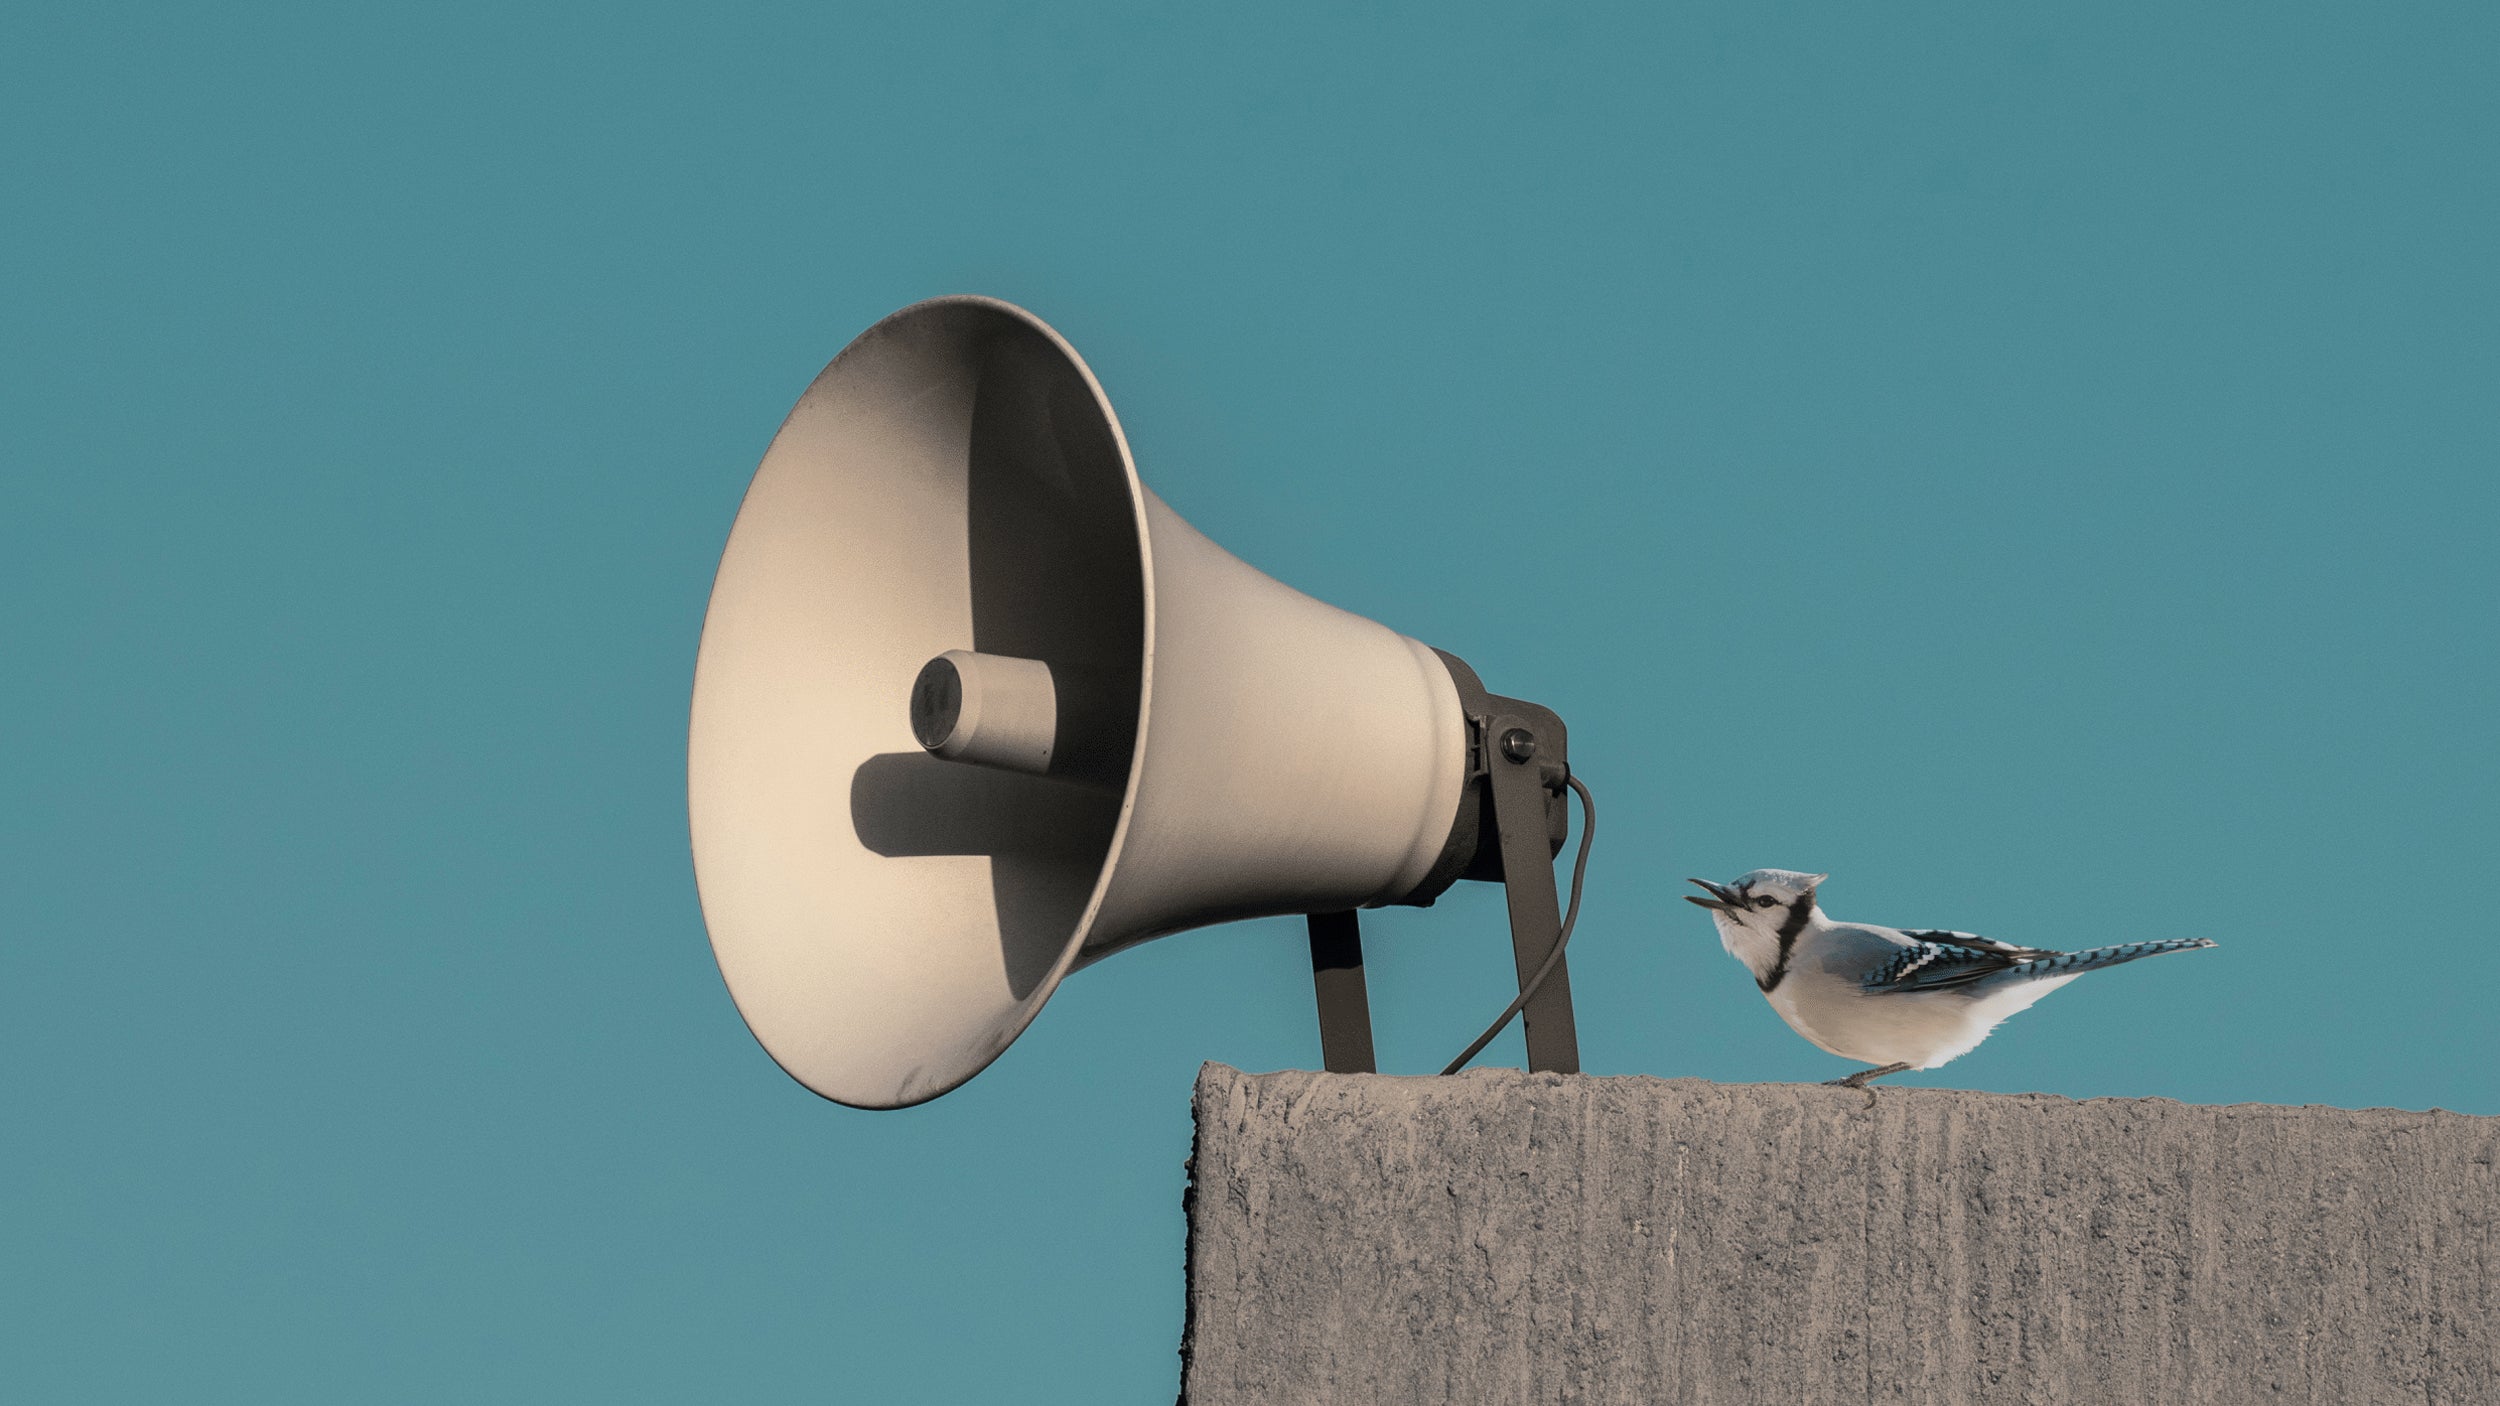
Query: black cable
[[1553, 959]]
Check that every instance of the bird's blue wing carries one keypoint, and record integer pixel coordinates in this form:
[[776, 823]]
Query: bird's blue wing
[[1973, 942], [1936, 960]]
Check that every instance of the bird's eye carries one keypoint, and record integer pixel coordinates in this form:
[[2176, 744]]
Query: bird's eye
[[1765, 901]]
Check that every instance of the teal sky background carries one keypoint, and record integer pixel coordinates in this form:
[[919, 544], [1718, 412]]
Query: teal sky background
[[2034, 464]]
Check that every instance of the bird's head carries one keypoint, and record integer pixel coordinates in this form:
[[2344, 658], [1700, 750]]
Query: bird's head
[[1763, 901]]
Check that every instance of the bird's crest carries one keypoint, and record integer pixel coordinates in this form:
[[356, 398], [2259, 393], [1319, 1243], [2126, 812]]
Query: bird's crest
[[1787, 883]]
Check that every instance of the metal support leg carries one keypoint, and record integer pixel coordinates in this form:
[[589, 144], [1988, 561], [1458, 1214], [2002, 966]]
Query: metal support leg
[[1345, 1008], [1535, 912]]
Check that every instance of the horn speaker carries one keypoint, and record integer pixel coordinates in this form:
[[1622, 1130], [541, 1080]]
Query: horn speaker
[[973, 708]]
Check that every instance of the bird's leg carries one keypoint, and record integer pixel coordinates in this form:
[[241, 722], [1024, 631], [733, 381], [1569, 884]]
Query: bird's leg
[[1859, 1079]]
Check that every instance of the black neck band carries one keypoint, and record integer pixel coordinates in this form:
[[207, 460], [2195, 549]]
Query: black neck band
[[1800, 912]]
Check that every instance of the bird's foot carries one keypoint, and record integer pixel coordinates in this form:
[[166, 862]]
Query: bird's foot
[[1860, 1080]]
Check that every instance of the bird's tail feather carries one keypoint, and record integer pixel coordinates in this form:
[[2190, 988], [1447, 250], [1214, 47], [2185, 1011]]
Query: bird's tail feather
[[2069, 963]]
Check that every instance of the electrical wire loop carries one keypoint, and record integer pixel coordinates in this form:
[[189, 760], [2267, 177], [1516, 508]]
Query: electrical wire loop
[[1562, 938]]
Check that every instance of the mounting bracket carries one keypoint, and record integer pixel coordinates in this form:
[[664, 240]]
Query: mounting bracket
[[1512, 821]]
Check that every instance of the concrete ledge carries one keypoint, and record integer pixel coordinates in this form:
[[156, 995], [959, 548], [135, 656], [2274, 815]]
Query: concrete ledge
[[1511, 1237]]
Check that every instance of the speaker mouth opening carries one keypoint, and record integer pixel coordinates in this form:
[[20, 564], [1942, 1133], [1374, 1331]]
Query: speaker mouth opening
[[889, 919]]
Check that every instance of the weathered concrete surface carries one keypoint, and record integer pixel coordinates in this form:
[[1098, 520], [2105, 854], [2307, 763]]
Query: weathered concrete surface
[[1510, 1237]]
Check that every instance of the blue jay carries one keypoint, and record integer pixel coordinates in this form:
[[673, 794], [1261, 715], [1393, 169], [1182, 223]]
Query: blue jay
[[1897, 1000]]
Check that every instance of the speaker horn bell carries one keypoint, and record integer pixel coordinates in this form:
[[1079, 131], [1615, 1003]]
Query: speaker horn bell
[[973, 708]]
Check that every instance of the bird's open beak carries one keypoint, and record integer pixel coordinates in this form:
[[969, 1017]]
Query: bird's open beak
[[1721, 897]]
